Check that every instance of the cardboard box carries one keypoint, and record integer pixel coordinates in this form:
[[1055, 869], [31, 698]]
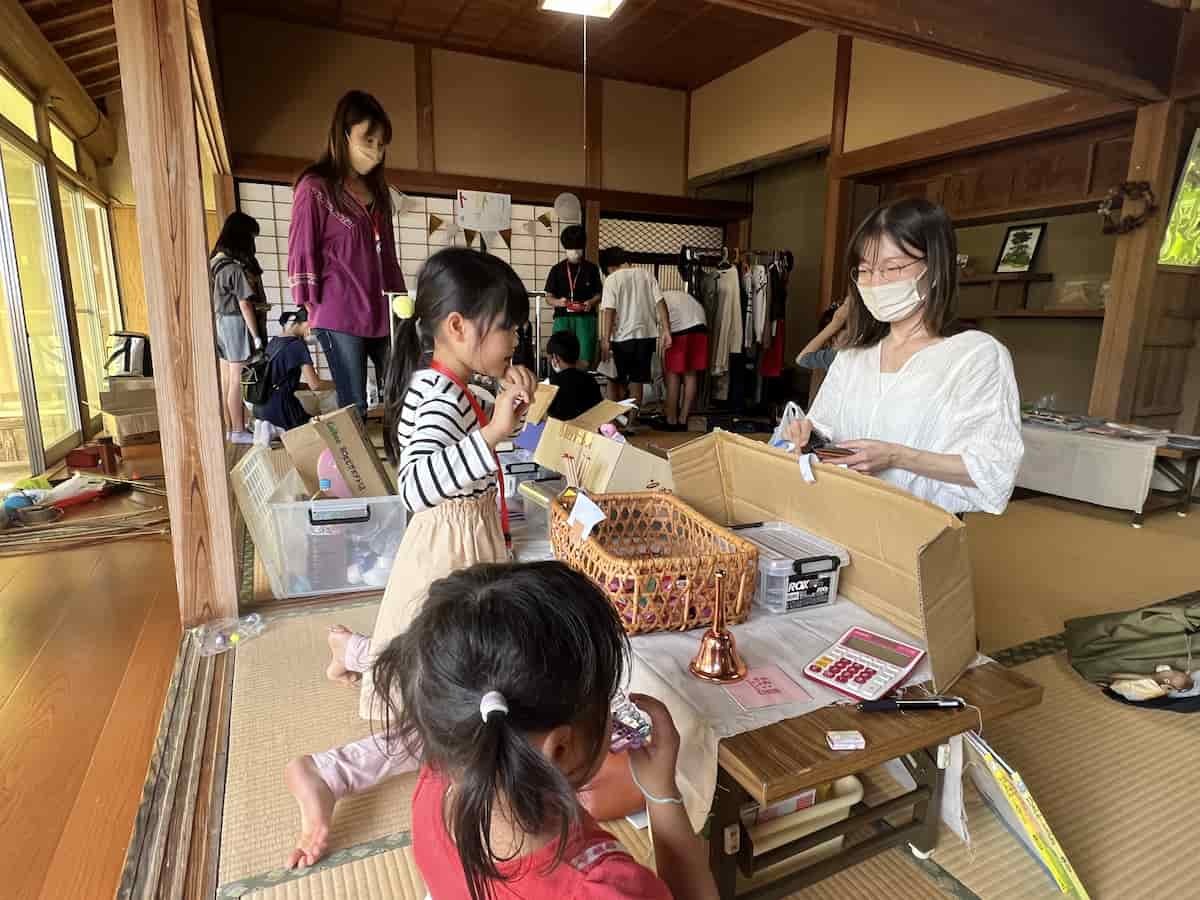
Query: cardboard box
[[127, 401], [117, 383], [131, 427], [344, 434], [611, 467], [910, 563]]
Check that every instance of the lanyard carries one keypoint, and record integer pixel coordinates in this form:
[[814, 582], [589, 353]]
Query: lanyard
[[482, 419], [373, 217], [571, 280]]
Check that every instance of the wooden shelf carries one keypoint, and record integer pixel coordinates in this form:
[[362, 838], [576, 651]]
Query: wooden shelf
[[1042, 314], [1006, 276]]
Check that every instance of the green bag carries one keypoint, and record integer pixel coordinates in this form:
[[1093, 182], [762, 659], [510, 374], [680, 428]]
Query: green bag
[[1137, 641]]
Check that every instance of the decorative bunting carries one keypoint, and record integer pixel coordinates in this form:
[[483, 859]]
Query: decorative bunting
[[435, 222], [545, 219], [506, 236], [469, 235]]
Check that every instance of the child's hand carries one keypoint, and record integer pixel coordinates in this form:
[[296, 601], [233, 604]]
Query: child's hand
[[515, 396], [654, 763], [522, 379]]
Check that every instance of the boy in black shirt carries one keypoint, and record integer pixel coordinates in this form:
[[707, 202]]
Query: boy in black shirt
[[577, 390], [573, 288]]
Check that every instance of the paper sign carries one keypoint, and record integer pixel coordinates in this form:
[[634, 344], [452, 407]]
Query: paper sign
[[585, 515], [530, 436], [541, 403], [481, 211], [608, 467], [766, 686]]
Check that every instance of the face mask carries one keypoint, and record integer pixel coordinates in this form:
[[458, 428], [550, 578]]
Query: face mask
[[363, 159], [891, 302], [574, 256]]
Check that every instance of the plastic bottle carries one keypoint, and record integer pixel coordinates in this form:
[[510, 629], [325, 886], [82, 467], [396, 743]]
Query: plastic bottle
[[226, 634], [323, 490]]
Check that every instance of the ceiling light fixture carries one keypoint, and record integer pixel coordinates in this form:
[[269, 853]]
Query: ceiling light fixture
[[597, 9]]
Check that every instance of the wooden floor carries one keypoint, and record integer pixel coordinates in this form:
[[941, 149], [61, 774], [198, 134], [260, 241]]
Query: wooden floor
[[88, 640]]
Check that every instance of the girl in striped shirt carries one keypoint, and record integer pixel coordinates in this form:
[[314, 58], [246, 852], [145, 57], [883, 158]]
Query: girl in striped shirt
[[464, 321]]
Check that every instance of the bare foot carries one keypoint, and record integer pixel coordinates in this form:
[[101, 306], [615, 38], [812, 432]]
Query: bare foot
[[339, 636], [316, 804]]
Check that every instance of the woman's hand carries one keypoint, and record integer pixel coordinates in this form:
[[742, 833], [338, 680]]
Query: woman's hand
[[654, 763], [871, 457], [799, 432], [841, 314]]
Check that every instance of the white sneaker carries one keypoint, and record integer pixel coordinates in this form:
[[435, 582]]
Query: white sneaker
[[241, 437]]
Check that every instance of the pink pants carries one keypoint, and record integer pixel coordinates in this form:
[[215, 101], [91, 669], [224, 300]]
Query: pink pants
[[353, 768]]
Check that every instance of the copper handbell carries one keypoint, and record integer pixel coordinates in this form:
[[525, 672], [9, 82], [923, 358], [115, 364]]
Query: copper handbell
[[718, 660]]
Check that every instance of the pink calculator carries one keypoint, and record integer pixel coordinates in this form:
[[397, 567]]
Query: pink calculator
[[864, 664]]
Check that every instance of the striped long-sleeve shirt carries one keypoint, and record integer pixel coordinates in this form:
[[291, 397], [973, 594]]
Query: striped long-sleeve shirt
[[442, 451]]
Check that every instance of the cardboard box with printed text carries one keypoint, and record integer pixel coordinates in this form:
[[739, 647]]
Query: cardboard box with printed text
[[342, 433], [910, 563]]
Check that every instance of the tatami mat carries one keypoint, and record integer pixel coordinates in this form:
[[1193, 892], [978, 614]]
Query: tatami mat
[[283, 706], [1042, 562], [1116, 784]]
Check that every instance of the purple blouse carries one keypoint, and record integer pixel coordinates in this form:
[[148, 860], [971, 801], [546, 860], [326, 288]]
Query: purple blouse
[[339, 264]]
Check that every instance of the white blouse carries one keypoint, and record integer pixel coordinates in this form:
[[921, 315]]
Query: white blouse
[[958, 396]]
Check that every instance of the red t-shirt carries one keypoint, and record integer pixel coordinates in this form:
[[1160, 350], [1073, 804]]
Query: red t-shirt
[[595, 866]]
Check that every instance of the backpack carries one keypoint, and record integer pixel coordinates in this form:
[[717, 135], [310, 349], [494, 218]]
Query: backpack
[[257, 386]]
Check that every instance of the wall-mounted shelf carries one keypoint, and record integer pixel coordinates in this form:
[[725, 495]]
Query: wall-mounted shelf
[[1006, 276], [1042, 314]]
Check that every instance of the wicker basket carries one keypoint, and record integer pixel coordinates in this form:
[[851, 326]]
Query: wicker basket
[[656, 558]]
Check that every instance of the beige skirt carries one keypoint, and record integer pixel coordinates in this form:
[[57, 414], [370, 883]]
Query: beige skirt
[[456, 534]]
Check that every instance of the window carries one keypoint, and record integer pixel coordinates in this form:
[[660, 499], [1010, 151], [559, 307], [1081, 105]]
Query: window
[[17, 108], [35, 301], [64, 147]]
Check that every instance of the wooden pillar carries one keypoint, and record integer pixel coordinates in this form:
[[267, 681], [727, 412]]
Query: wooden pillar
[[226, 195], [592, 226], [840, 191], [737, 234], [423, 63], [687, 140], [159, 112], [594, 136], [73, 348], [1154, 158]]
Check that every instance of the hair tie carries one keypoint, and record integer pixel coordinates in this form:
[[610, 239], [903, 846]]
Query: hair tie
[[493, 701], [403, 306]]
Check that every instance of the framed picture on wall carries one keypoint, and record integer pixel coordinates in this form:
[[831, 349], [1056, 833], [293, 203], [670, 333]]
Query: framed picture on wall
[[1181, 242], [1020, 248]]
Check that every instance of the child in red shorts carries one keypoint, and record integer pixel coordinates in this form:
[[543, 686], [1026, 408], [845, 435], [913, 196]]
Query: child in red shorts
[[686, 358]]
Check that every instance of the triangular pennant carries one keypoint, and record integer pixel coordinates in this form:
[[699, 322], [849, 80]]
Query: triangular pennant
[[469, 235], [435, 222], [545, 219], [506, 236]]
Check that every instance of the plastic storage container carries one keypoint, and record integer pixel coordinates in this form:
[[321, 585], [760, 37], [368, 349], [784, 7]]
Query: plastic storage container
[[796, 570], [332, 546]]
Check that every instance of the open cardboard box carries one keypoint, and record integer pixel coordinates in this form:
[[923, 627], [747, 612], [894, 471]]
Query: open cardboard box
[[343, 433], [610, 467], [909, 558]]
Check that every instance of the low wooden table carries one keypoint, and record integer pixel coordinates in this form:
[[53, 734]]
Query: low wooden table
[[1179, 466], [776, 762]]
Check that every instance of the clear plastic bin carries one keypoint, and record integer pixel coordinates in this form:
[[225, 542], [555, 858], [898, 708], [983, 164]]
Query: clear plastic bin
[[332, 546], [796, 569]]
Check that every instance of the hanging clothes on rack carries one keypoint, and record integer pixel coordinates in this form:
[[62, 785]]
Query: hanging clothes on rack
[[728, 328], [771, 365]]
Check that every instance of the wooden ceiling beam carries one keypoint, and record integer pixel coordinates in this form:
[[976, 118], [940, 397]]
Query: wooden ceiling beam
[[99, 21], [462, 5], [98, 70], [73, 50], [62, 13], [1121, 48], [104, 88]]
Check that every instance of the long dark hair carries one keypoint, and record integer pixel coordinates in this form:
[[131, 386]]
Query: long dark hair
[[549, 641], [481, 288], [922, 230], [334, 167], [236, 240]]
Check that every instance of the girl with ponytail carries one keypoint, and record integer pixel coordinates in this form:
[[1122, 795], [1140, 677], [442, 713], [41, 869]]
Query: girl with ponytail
[[503, 684], [463, 322]]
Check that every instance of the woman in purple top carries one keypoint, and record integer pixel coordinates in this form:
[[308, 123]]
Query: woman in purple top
[[341, 247]]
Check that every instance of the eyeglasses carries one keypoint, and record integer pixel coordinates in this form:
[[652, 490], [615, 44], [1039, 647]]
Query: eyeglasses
[[890, 272]]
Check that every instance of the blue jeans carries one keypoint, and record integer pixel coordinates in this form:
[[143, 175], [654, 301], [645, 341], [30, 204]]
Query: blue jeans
[[347, 355]]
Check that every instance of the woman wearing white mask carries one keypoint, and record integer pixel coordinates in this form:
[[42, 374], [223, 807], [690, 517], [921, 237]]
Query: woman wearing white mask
[[342, 248], [920, 403]]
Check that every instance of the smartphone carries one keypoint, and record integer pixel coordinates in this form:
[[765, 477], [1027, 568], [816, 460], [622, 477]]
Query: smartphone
[[630, 726], [829, 453]]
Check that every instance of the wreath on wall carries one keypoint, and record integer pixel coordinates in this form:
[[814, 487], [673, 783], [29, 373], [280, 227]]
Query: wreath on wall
[[1127, 207]]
